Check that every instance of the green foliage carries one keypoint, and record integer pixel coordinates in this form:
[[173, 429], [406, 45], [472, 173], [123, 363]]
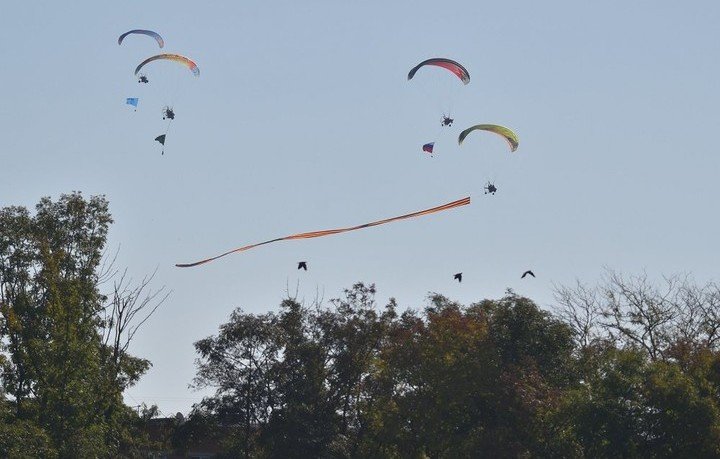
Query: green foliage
[[499, 378], [349, 381], [63, 382]]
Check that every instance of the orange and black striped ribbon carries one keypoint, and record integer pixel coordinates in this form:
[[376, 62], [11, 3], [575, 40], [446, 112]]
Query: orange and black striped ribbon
[[312, 234]]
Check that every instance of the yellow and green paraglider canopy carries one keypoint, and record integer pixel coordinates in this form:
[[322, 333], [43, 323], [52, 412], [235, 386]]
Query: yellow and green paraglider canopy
[[507, 133]]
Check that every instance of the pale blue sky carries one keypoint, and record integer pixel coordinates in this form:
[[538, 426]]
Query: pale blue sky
[[302, 119]]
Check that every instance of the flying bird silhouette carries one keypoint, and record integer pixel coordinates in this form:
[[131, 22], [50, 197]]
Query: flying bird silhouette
[[302, 265], [458, 276], [526, 273]]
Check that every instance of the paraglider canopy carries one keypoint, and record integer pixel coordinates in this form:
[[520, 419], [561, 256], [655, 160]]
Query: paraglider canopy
[[149, 33], [508, 134], [459, 71], [187, 62]]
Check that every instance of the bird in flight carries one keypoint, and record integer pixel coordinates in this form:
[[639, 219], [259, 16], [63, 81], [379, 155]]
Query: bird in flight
[[526, 273], [302, 265], [458, 276]]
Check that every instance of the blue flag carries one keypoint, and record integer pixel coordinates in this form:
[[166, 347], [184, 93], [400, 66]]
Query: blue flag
[[132, 101]]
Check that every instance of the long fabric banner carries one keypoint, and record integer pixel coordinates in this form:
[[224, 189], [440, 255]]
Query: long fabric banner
[[312, 234]]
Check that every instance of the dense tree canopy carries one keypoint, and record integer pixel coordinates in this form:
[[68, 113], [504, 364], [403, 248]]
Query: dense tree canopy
[[498, 378], [63, 341]]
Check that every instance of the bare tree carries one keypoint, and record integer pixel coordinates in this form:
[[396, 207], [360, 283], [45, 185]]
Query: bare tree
[[700, 309], [640, 313], [129, 307], [636, 312], [579, 308]]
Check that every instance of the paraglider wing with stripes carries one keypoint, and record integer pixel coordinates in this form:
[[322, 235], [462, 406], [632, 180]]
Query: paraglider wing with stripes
[[455, 67], [508, 134], [186, 61], [149, 33]]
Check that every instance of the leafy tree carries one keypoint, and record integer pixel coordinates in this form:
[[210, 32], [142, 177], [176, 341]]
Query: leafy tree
[[63, 380], [623, 370], [478, 378], [292, 381], [348, 381]]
